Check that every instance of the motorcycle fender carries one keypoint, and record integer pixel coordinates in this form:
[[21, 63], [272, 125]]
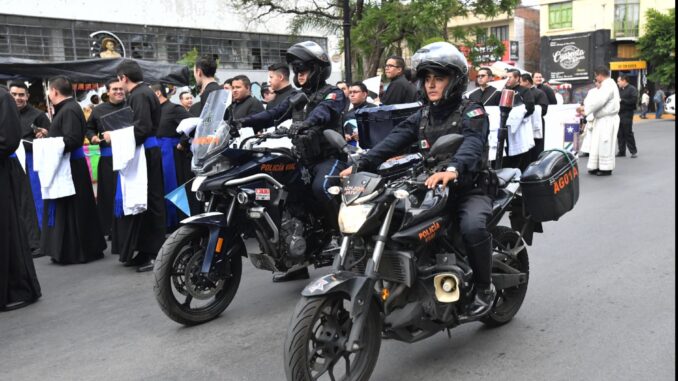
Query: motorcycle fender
[[218, 235], [357, 287], [210, 218]]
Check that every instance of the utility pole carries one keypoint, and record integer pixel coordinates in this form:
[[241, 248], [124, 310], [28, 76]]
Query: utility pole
[[347, 42]]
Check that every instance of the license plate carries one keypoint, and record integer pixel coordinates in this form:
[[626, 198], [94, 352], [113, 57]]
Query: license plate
[[197, 182]]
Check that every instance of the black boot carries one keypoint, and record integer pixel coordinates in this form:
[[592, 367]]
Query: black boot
[[294, 275], [483, 302], [480, 259]]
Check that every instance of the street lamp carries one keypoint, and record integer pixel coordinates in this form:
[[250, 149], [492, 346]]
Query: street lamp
[[347, 42]]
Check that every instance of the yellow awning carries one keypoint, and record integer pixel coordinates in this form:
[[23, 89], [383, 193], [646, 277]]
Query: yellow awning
[[628, 65]]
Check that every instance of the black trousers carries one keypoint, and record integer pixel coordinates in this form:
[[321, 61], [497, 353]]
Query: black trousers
[[625, 136], [329, 204], [474, 211]]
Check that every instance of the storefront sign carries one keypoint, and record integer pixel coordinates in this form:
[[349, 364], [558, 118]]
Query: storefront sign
[[628, 65], [569, 58]]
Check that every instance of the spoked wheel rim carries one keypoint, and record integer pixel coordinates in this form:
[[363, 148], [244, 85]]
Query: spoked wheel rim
[[192, 291], [327, 356], [509, 300]]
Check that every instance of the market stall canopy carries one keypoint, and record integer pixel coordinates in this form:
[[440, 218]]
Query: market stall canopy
[[90, 71]]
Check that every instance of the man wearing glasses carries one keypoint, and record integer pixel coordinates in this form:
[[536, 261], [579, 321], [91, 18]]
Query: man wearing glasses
[[357, 95], [106, 181], [399, 90], [485, 93]]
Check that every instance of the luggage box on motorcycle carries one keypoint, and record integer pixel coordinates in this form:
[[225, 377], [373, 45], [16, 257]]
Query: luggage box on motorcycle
[[550, 185], [375, 123]]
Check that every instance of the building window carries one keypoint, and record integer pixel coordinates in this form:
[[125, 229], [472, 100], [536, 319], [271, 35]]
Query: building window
[[500, 32], [626, 18], [560, 15]]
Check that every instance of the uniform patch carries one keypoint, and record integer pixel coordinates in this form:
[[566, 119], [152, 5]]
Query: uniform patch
[[331, 97], [474, 113], [423, 144]]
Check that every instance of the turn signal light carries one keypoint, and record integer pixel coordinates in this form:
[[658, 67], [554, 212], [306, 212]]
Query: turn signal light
[[385, 293]]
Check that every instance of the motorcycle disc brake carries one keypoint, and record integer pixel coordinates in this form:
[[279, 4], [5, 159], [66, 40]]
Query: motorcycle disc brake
[[198, 285]]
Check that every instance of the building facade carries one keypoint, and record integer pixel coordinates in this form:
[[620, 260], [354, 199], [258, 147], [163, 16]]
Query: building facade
[[579, 35], [519, 32], [164, 31]]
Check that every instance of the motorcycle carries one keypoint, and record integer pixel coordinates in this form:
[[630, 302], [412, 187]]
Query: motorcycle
[[249, 191], [401, 272]]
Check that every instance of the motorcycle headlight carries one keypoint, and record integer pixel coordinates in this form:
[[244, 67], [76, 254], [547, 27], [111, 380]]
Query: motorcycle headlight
[[353, 217]]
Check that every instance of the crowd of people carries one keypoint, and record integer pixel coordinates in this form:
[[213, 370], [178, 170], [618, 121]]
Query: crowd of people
[[53, 211]]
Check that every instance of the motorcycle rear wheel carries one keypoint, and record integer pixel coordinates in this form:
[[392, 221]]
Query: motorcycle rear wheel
[[509, 300], [177, 276], [314, 346]]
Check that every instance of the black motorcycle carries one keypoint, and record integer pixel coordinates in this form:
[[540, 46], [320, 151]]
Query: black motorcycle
[[249, 192], [401, 272]]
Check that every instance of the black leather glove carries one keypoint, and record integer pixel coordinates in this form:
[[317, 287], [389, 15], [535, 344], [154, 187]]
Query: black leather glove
[[237, 124], [297, 128]]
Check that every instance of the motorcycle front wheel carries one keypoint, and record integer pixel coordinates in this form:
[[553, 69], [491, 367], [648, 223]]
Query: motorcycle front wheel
[[316, 338], [184, 294]]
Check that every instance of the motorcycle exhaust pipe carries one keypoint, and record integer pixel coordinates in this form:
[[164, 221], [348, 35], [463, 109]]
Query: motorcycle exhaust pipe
[[446, 287]]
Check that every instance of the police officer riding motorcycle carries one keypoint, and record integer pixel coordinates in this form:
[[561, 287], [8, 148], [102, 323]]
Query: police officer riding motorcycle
[[311, 67], [443, 75]]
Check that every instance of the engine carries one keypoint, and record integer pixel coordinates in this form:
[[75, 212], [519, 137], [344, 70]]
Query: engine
[[292, 236]]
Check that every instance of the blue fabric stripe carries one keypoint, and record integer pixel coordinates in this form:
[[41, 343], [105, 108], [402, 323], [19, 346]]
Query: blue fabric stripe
[[117, 202], [169, 174], [151, 142], [35, 187], [78, 153], [105, 151], [51, 212], [13, 156], [334, 167]]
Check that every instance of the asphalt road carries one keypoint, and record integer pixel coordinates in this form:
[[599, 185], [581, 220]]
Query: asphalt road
[[600, 306]]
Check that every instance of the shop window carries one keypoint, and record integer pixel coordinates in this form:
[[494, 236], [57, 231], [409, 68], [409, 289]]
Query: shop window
[[500, 32], [560, 15], [626, 18]]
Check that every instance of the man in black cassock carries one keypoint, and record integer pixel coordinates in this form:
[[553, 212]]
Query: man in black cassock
[[34, 123], [18, 282], [71, 232], [106, 178], [485, 93], [204, 70], [176, 159], [542, 100], [399, 90], [143, 233]]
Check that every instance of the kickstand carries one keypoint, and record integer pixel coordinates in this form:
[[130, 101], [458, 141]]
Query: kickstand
[[449, 335]]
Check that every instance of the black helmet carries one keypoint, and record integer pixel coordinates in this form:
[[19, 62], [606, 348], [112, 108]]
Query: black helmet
[[442, 58], [308, 55]]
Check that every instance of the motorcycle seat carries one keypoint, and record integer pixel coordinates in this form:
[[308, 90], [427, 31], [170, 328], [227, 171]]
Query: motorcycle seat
[[505, 175]]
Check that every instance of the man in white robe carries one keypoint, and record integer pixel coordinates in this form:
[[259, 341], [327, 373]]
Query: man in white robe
[[603, 104]]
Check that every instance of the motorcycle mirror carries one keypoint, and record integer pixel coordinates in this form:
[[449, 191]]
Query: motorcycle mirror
[[447, 145], [297, 100], [335, 138]]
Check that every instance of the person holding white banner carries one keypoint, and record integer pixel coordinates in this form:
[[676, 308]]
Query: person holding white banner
[[603, 105], [71, 231]]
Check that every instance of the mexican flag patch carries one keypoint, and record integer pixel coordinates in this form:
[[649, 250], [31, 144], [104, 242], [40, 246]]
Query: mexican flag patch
[[474, 113], [331, 97]]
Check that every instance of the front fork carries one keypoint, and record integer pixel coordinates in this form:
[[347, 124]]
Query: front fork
[[361, 313]]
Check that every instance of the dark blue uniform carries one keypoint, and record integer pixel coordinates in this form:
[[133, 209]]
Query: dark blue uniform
[[322, 112], [473, 204]]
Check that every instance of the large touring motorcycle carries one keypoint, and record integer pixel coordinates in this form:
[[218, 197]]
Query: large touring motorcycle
[[249, 191]]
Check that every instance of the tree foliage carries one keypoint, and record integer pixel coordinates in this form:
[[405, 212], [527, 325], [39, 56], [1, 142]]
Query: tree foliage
[[658, 46], [380, 28], [189, 59]]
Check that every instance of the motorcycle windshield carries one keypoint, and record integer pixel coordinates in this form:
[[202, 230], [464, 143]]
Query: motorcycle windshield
[[212, 133]]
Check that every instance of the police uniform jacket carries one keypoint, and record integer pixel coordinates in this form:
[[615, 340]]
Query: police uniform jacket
[[320, 114], [469, 159]]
